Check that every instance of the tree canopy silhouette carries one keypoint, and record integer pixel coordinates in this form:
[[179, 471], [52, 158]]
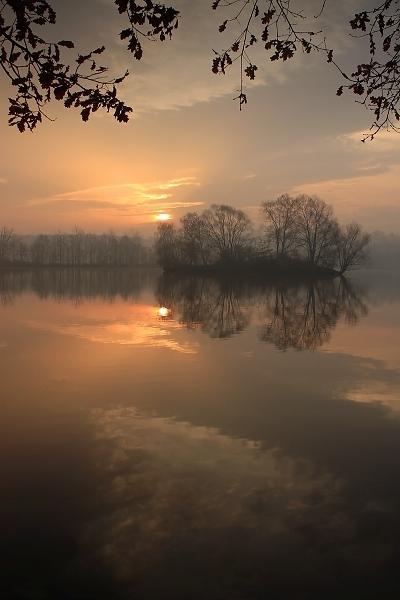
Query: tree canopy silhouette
[[298, 232], [41, 70], [284, 27]]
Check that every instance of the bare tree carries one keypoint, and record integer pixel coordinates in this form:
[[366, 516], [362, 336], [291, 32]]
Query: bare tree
[[7, 241], [194, 239], [317, 230], [228, 230], [281, 221], [351, 247], [80, 249], [166, 245]]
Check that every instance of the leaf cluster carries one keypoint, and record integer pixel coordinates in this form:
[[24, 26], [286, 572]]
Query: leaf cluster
[[41, 71], [377, 81], [272, 23]]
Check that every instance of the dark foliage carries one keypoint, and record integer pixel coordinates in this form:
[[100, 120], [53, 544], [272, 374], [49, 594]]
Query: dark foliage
[[41, 70], [300, 235], [284, 30]]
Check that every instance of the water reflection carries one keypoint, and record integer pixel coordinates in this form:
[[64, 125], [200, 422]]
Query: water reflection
[[299, 316], [304, 317], [76, 285], [140, 457], [164, 313]]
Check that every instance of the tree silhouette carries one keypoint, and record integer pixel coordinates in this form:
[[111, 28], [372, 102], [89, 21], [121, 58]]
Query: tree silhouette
[[40, 71], [351, 247], [284, 28], [281, 223], [299, 232]]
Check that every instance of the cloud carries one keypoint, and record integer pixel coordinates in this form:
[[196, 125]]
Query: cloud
[[133, 199], [3, 180], [385, 141], [371, 198], [177, 74]]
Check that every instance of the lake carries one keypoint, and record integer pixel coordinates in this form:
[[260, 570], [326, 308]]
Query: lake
[[194, 438]]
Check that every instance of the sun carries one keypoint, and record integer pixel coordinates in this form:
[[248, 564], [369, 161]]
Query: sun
[[164, 312], [163, 217]]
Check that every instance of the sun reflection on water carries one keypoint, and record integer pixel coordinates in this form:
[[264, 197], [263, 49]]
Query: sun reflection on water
[[164, 313]]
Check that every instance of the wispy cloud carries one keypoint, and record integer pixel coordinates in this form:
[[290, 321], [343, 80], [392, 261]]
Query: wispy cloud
[[371, 198], [386, 141], [3, 180], [138, 199]]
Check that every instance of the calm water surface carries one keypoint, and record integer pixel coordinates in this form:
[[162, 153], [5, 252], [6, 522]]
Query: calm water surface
[[195, 439]]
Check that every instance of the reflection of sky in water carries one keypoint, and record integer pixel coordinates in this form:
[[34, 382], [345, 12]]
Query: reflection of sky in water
[[249, 434], [132, 331], [174, 485]]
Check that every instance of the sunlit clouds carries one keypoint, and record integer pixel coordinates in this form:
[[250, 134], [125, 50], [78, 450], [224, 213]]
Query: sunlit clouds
[[373, 200], [143, 202], [188, 146]]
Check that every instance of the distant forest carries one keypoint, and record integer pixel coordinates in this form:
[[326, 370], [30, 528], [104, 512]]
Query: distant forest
[[77, 249], [295, 233]]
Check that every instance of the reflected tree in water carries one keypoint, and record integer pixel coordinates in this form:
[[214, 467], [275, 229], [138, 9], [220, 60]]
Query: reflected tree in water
[[298, 316], [76, 285], [303, 318], [204, 303]]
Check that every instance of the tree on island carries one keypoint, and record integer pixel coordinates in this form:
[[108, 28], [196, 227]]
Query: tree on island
[[297, 231], [281, 216], [41, 70], [351, 247], [220, 234], [228, 231]]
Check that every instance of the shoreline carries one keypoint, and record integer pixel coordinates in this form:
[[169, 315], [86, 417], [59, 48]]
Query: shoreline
[[267, 269], [264, 269]]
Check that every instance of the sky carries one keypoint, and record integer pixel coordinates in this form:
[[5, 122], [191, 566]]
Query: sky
[[187, 145]]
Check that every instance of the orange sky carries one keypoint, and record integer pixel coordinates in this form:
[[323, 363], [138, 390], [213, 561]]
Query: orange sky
[[188, 146]]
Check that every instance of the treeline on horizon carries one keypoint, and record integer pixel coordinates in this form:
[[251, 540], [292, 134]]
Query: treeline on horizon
[[77, 249], [296, 231]]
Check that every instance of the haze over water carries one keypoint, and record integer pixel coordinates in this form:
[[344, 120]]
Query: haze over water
[[195, 438]]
